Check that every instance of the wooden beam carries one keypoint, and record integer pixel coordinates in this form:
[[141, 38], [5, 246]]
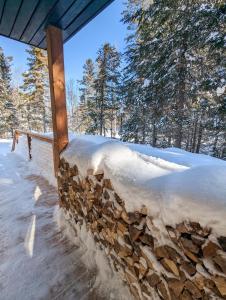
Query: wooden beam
[[37, 136], [57, 92]]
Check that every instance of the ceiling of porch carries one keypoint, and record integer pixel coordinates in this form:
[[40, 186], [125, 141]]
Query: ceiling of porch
[[26, 20]]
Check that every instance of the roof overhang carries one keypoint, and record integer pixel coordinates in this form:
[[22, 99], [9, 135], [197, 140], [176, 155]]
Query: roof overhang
[[26, 20]]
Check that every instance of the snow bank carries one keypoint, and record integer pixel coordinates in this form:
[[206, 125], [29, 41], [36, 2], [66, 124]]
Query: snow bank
[[5, 146], [42, 160], [22, 147], [42, 157], [174, 184]]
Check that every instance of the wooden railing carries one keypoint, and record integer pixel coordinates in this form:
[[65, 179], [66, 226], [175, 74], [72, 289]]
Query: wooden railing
[[30, 136]]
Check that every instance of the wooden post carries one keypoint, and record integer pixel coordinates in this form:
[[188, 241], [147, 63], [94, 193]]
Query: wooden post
[[57, 92], [29, 146], [15, 140]]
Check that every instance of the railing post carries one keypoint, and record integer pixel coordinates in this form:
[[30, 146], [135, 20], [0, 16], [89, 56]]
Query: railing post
[[29, 146], [15, 140], [57, 91]]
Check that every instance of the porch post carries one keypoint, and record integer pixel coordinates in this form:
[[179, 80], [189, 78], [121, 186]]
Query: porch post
[[57, 91]]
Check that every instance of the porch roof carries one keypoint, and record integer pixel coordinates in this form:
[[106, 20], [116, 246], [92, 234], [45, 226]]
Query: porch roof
[[26, 20]]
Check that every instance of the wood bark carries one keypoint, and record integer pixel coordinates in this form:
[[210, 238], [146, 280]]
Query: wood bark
[[57, 91]]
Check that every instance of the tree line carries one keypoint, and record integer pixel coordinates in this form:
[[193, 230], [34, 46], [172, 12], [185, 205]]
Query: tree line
[[177, 51], [168, 88], [25, 106], [172, 88]]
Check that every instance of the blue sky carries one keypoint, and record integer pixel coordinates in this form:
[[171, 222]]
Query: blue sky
[[106, 27]]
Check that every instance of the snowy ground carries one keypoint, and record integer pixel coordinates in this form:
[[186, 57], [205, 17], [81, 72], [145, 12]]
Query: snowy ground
[[175, 185], [36, 260]]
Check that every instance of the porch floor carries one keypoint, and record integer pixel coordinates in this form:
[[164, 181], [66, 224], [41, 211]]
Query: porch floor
[[36, 260]]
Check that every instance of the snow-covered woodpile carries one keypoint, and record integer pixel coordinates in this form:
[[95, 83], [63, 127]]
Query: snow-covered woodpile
[[156, 260]]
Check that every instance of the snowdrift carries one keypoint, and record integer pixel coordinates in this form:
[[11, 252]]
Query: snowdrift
[[174, 185], [42, 157]]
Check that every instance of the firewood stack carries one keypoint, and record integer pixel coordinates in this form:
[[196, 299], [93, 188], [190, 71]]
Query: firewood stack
[[157, 261]]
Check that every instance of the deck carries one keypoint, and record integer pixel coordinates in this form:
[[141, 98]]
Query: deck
[[36, 260]]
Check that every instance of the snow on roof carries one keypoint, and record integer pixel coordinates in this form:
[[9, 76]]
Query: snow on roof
[[174, 184]]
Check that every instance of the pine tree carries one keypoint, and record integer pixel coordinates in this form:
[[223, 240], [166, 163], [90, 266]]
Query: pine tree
[[3, 96], [87, 103], [100, 97], [106, 87], [35, 90], [72, 105], [174, 67], [7, 107]]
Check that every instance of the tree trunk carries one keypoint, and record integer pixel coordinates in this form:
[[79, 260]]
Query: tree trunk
[[187, 142], [28, 118], [199, 138], [215, 144], [101, 119], [143, 130], [194, 136], [223, 149], [182, 68], [179, 134], [154, 134], [111, 129], [136, 140], [169, 140]]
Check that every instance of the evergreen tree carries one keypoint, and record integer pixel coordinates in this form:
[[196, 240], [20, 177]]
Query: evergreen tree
[[3, 97], [35, 90], [99, 100], [72, 105], [106, 88], [8, 120], [87, 104], [175, 64]]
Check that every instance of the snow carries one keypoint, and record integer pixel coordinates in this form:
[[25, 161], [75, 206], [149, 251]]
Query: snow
[[146, 4], [213, 35], [42, 162], [37, 261], [175, 185], [146, 83], [190, 57], [220, 90]]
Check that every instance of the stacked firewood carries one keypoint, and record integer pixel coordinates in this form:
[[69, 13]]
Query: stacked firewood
[[157, 261]]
